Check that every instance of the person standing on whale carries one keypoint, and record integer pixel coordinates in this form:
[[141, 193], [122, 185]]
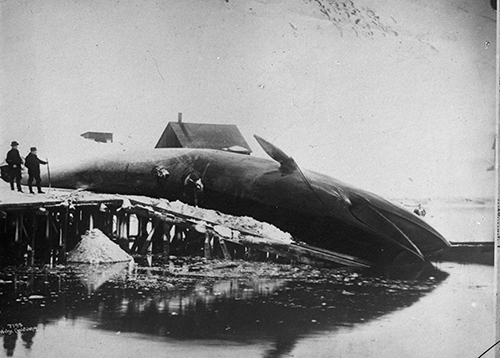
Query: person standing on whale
[[193, 188], [32, 162]]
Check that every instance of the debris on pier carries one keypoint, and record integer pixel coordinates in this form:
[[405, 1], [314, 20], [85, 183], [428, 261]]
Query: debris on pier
[[255, 237], [95, 247]]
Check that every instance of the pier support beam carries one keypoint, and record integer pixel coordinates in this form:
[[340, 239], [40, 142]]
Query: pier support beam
[[63, 235], [32, 241], [142, 233], [122, 230], [225, 250], [145, 248], [166, 239], [207, 249]]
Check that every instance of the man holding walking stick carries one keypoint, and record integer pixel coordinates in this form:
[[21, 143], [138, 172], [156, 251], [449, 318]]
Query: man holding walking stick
[[32, 162]]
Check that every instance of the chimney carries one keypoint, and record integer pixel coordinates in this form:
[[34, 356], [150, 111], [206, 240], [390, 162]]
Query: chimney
[[179, 117]]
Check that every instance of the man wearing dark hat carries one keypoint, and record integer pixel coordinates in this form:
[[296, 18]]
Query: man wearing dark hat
[[33, 165], [15, 163]]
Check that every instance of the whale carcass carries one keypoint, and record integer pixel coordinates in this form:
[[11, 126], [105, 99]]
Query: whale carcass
[[314, 208]]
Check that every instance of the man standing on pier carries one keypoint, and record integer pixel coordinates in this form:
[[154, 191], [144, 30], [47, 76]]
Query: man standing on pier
[[15, 163], [33, 165]]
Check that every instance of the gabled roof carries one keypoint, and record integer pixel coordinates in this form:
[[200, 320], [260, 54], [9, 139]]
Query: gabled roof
[[202, 135]]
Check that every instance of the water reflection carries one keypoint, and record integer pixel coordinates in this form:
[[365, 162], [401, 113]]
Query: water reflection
[[94, 276], [278, 311]]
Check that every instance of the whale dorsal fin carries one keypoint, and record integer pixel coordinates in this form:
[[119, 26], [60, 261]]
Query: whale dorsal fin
[[287, 163]]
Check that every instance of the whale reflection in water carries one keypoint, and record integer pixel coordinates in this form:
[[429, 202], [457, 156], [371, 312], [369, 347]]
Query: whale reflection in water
[[277, 312]]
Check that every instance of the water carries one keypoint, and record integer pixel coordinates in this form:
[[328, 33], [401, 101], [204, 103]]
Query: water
[[454, 320], [463, 221], [118, 311], [449, 314]]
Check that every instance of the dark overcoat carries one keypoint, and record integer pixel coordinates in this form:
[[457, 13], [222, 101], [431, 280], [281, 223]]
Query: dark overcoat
[[13, 159], [33, 164]]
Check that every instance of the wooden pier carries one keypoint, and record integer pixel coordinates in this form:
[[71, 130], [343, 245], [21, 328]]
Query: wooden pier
[[42, 229]]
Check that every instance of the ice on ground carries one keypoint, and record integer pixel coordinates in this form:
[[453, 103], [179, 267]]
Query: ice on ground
[[237, 222]]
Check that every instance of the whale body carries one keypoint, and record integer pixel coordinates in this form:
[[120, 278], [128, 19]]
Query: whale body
[[314, 208]]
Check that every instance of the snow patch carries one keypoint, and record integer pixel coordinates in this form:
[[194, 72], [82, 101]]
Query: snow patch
[[95, 247]]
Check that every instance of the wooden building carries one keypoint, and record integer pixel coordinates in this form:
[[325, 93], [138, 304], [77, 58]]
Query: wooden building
[[201, 135]]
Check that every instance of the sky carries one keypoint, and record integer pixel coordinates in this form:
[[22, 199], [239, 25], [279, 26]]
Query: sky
[[396, 98]]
